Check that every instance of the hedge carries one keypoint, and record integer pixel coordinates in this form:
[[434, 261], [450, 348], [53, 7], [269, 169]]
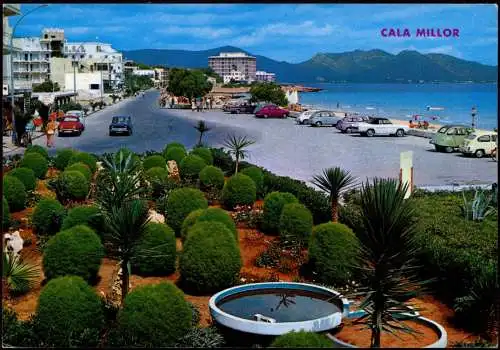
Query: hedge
[[171, 145], [85, 215], [85, 158], [203, 153], [209, 214], [211, 178], [191, 166], [14, 192], [153, 162], [82, 168], [77, 251], [180, 203], [37, 149], [210, 260], [302, 339], [333, 250], [27, 177], [74, 184], [5, 215], [62, 158], [48, 216], [175, 153], [154, 316], [155, 253], [257, 176], [296, 222], [36, 162], [238, 190], [157, 174], [273, 206]]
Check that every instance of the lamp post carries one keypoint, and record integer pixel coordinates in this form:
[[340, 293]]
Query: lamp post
[[14, 136], [473, 114]]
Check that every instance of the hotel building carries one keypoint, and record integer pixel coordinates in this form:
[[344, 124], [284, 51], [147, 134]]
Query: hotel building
[[228, 62]]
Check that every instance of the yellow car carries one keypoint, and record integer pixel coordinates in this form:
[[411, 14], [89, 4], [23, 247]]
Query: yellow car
[[479, 143]]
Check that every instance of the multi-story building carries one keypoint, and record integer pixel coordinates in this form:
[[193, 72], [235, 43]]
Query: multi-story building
[[9, 10], [31, 65], [129, 66], [227, 62], [265, 76], [161, 77]]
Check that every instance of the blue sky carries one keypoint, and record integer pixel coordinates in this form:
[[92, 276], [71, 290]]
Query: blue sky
[[285, 32]]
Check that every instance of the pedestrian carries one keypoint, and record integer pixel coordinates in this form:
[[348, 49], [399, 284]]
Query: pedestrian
[[50, 131], [208, 102], [198, 105], [172, 103], [211, 104], [193, 106], [338, 105]]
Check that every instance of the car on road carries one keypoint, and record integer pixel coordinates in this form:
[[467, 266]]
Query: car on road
[[79, 114], [347, 124], [380, 126], [70, 124], [272, 111], [121, 125], [303, 117], [479, 143], [244, 108], [323, 118], [449, 137]]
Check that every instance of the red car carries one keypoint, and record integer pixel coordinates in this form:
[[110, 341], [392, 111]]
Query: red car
[[70, 124], [272, 111]]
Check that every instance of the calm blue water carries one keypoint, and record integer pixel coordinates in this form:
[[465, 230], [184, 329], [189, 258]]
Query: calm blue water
[[401, 101]]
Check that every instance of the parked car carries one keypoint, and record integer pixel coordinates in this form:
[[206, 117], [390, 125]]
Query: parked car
[[70, 124], [272, 111], [244, 108], [449, 137], [479, 143], [347, 124], [303, 118], [121, 125], [261, 105], [323, 118], [380, 126], [79, 114]]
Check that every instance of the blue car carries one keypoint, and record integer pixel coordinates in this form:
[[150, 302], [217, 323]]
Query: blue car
[[121, 125]]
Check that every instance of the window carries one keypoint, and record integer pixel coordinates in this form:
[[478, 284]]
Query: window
[[452, 131], [461, 131], [494, 138], [94, 86], [484, 138], [73, 48], [443, 129], [98, 48], [471, 137]]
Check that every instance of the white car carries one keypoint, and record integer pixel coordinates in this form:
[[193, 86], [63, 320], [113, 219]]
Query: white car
[[304, 116], [380, 126]]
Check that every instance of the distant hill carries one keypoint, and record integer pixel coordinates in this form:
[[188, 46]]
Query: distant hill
[[373, 66]]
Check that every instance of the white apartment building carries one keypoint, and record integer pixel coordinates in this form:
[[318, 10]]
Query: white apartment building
[[145, 72], [8, 10], [227, 62], [31, 64], [234, 75], [265, 76]]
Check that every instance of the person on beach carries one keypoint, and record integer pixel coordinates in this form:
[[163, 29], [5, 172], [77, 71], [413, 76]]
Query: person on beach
[[50, 131]]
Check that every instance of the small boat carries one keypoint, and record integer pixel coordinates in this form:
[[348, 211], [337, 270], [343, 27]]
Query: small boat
[[430, 108]]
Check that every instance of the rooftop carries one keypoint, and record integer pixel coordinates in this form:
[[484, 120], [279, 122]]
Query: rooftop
[[232, 54]]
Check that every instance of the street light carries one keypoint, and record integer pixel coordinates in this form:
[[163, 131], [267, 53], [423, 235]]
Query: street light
[[14, 136], [473, 113]]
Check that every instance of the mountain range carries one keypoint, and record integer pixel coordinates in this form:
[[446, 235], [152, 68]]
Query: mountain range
[[358, 66]]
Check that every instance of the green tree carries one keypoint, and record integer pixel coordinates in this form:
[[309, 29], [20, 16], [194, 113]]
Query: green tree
[[210, 73], [268, 92], [202, 128], [188, 83], [236, 145], [46, 86]]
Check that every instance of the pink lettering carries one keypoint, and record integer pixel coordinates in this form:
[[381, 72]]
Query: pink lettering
[[421, 32], [455, 33], [383, 32]]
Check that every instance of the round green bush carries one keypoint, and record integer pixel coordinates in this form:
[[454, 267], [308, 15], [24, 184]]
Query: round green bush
[[296, 222], [37, 149], [14, 192], [211, 177], [209, 214], [175, 153], [191, 166], [301, 339], [157, 174], [77, 251], [156, 252], [257, 176], [85, 158], [273, 206], [180, 203], [238, 190], [154, 316], [204, 153], [5, 215], [174, 145], [82, 168], [333, 248], [74, 184], [85, 215], [62, 158], [153, 162], [36, 162], [48, 216], [68, 307], [27, 177], [210, 260]]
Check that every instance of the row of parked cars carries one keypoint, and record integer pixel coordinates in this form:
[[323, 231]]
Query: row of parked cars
[[259, 110]]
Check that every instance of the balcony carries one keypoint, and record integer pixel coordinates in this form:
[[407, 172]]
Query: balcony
[[11, 9]]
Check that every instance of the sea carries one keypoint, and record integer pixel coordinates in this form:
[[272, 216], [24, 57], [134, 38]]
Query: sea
[[449, 103]]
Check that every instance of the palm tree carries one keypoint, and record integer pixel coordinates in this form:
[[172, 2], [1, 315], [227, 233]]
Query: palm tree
[[387, 255], [18, 275], [334, 181], [202, 128], [236, 146]]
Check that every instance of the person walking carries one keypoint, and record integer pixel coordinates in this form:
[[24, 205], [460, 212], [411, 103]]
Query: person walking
[[172, 103], [211, 104], [193, 106], [50, 131], [208, 102]]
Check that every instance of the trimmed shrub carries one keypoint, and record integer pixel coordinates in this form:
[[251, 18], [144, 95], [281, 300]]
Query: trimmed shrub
[[238, 190], [302, 339], [69, 310], [36, 162], [204, 153], [48, 216], [37, 149], [153, 162], [82, 168], [85, 158], [180, 203], [174, 145], [157, 174], [257, 176], [175, 153], [156, 252], [85, 215], [210, 260], [191, 166], [273, 206], [5, 215], [296, 222], [154, 316], [209, 214], [27, 177], [14, 192], [74, 184], [211, 178], [223, 160], [77, 251], [62, 158], [333, 249]]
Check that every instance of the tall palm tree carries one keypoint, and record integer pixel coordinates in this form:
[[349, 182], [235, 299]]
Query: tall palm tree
[[236, 145], [334, 181], [202, 128], [387, 257]]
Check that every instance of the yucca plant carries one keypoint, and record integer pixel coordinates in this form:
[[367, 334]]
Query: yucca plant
[[478, 208], [236, 145], [334, 181], [202, 128], [18, 275]]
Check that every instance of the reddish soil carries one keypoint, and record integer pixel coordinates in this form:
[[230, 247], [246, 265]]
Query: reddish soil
[[52, 172], [41, 188]]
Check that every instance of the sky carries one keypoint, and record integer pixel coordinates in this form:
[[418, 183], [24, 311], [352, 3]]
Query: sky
[[284, 32]]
